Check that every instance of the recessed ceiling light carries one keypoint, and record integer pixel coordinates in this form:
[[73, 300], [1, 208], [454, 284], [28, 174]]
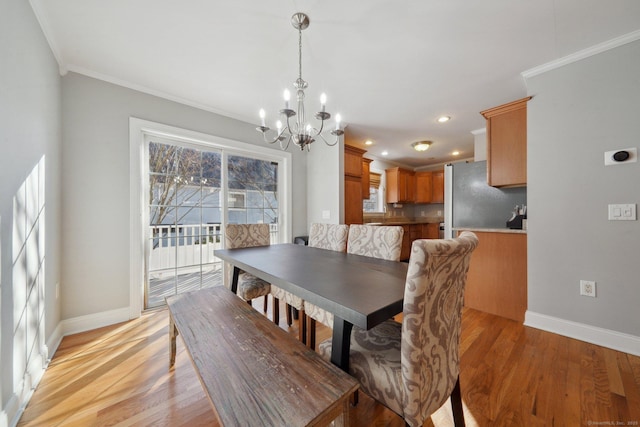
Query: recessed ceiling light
[[443, 119], [368, 142], [385, 153], [456, 153], [421, 145]]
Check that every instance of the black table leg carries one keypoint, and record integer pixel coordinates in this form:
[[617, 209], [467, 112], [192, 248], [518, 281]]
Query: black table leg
[[234, 280], [341, 343]]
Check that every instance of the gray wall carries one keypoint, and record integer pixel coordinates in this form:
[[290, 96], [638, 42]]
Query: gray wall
[[29, 144], [578, 112], [325, 183], [95, 178]]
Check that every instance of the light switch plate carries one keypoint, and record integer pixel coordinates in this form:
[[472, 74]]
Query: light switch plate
[[624, 212]]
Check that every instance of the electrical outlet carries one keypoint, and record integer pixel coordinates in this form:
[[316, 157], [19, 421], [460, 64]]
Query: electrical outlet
[[588, 288]]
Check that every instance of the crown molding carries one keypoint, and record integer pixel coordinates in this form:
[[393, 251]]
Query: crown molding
[[585, 53], [41, 17]]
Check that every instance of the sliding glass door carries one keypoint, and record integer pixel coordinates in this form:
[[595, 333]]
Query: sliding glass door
[[193, 191]]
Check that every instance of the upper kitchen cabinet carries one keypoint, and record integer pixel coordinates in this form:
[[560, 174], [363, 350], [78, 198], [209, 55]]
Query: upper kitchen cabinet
[[507, 144], [429, 187], [401, 185], [353, 191], [424, 187], [438, 187]]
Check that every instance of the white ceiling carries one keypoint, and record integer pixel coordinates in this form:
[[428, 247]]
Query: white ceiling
[[389, 67]]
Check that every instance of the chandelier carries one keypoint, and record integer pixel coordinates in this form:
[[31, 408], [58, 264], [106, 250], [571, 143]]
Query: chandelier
[[297, 129]]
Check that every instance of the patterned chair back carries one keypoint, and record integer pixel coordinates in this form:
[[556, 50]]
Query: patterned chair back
[[431, 323], [243, 236], [384, 241], [329, 236], [246, 235]]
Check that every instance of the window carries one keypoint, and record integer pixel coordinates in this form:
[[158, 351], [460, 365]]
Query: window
[[375, 202]]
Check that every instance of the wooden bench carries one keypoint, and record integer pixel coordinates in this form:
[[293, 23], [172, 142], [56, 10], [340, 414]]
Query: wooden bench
[[254, 372]]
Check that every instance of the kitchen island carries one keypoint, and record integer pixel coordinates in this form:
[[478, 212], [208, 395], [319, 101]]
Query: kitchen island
[[497, 277]]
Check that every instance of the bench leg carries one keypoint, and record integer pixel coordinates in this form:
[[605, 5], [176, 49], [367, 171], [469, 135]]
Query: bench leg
[[311, 333], [302, 327], [276, 310], [288, 313], [173, 333], [343, 418]]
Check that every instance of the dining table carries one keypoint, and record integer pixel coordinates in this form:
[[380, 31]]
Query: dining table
[[358, 290]]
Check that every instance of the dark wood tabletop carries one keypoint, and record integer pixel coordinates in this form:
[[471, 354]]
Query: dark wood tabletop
[[358, 290]]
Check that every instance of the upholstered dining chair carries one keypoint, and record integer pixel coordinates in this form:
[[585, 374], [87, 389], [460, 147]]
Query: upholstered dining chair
[[384, 242], [324, 236], [413, 367], [247, 236]]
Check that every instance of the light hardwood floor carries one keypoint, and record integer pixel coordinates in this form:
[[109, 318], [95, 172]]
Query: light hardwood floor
[[511, 376]]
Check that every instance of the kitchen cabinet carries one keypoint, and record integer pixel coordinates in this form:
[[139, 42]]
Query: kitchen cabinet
[[497, 277], [438, 187], [424, 187], [430, 231], [416, 231], [366, 170], [401, 185], [507, 144], [353, 184], [429, 187]]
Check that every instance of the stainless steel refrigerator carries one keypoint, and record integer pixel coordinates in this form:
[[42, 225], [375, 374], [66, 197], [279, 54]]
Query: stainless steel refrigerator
[[470, 202]]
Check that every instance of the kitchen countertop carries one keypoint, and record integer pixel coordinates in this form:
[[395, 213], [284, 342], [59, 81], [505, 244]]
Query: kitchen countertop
[[490, 230], [416, 221]]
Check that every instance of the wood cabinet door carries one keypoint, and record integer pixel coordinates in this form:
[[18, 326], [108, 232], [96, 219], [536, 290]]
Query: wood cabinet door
[[438, 187], [391, 176], [430, 231], [424, 187], [353, 160], [352, 200], [405, 250], [507, 144]]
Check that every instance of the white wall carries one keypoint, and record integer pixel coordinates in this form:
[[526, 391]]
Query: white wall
[[578, 112], [95, 178], [325, 183], [30, 145]]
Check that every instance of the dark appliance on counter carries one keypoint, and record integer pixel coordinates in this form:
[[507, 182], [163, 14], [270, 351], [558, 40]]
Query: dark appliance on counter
[[517, 216]]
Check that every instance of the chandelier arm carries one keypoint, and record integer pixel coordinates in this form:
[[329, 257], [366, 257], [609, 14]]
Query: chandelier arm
[[327, 142], [285, 147]]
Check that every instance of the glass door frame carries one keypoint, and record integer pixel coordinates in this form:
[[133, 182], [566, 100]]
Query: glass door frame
[[139, 133]]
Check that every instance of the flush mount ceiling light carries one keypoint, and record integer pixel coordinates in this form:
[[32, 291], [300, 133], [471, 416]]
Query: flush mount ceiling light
[[300, 131], [421, 145], [368, 142], [443, 119]]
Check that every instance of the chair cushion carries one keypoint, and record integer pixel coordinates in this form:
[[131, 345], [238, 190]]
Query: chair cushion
[[289, 298], [375, 362], [250, 287], [318, 314]]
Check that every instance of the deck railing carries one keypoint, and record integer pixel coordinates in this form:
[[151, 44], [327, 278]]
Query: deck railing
[[187, 247]]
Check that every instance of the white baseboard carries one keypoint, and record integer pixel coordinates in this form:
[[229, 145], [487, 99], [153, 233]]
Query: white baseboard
[[93, 321], [580, 331]]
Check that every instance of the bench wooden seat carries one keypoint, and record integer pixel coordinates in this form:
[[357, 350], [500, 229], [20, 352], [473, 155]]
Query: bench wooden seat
[[254, 372]]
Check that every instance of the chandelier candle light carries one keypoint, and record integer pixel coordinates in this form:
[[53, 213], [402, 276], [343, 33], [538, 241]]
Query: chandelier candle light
[[301, 132]]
